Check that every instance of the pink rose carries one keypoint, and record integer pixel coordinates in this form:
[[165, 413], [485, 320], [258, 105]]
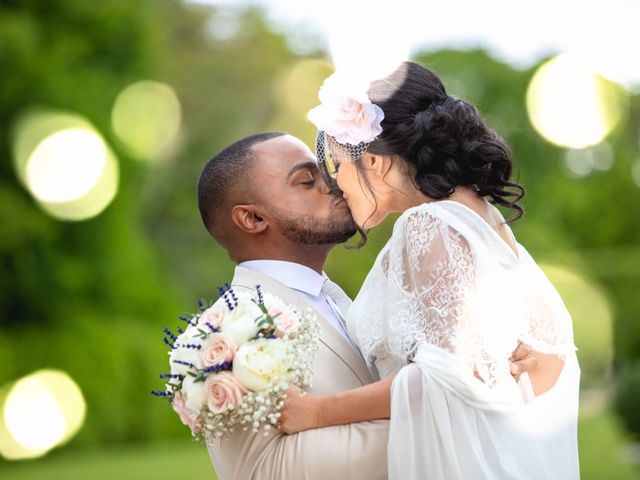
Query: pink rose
[[286, 321], [190, 418], [214, 316], [217, 349], [348, 117], [223, 392]]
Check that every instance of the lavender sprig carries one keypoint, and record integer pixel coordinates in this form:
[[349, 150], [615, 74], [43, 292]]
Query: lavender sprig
[[218, 368], [223, 295], [185, 319], [260, 296]]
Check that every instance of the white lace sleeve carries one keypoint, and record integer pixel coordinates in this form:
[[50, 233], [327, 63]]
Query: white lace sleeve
[[431, 271]]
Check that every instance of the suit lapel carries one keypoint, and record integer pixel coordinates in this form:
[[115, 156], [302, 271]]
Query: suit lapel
[[329, 336]]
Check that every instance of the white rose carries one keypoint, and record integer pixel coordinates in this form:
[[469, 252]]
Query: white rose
[[194, 393], [261, 364], [240, 325], [185, 355]]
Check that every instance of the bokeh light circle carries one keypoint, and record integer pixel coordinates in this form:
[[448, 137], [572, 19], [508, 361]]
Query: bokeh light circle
[[583, 162], [146, 117], [40, 411], [64, 163], [58, 173], [296, 92], [592, 320], [570, 105]]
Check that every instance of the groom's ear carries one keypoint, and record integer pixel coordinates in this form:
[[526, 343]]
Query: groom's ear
[[248, 219]]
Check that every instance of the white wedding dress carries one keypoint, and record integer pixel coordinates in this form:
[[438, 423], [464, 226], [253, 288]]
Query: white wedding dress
[[447, 296]]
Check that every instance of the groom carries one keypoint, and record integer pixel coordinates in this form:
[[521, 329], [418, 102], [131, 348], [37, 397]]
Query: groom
[[263, 199]]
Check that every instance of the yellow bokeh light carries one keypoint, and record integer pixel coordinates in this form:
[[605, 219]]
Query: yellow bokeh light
[[570, 105], [296, 92], [65, 164], [40, 411], [146, 118], [592, 319]]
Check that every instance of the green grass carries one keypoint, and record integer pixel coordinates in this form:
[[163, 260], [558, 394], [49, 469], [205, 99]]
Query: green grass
[[173, 460], [601, 438]]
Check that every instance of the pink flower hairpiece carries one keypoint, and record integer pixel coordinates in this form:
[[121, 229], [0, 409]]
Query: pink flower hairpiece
[[346, 114]]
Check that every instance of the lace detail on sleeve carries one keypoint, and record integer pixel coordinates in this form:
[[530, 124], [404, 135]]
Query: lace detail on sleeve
[[550, 326], [433, 273]]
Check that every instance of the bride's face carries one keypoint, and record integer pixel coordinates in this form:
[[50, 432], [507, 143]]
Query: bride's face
[[365, 191]]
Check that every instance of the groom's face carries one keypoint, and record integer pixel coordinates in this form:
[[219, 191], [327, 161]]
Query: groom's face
[[290, 187]]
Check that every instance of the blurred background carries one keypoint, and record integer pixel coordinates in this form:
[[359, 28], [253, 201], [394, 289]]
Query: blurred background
[[108, 111]]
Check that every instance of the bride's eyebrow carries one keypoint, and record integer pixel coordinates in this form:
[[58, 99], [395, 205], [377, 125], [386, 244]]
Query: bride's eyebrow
[[311, 166]]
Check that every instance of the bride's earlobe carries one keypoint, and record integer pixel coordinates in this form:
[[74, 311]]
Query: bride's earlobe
[[380, 164]]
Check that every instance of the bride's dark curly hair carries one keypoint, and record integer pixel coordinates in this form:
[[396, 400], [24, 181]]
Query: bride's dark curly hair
[[444, 140]]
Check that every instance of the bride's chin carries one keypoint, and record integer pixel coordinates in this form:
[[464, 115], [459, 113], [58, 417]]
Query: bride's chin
[[370, 221]]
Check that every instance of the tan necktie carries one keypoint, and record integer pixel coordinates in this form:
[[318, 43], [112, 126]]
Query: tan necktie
[[339, 302]]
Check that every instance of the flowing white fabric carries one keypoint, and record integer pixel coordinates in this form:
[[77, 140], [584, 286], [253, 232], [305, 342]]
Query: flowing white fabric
[[447, 297]]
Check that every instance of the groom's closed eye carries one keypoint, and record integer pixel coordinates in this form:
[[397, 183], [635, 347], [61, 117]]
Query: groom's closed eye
[[303, 174]]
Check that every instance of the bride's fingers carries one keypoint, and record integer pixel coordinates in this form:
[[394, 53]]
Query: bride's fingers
[[522, 366], [520, 353]]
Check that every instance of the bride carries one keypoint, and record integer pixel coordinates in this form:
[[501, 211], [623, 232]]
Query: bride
[[448, 297]]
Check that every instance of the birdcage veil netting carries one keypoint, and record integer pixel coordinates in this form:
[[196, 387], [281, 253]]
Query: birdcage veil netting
[[331, 154]]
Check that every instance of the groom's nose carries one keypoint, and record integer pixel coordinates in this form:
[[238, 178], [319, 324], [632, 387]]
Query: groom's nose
[[324, 188]]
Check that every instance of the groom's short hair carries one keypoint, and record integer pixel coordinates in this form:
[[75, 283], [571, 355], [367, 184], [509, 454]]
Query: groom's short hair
[[221, 175]]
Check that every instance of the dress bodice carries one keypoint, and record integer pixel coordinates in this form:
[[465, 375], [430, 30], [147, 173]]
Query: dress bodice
[[447, 278]]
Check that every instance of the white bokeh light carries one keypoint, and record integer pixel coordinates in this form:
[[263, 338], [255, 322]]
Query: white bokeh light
[[584, 161], [33, 416], [40, 411], [570, 105], [66, 165]]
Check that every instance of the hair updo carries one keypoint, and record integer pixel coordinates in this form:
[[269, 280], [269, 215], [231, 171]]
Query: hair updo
[[442, 138]]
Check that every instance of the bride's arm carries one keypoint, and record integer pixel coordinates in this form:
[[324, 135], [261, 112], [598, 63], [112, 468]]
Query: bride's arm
[[373, 401], [304, 412]]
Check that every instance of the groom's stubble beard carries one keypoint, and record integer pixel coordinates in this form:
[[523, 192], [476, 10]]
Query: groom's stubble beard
[[306, 229]]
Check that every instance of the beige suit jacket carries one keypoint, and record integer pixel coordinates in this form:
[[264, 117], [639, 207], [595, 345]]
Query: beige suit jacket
[[355, 451]]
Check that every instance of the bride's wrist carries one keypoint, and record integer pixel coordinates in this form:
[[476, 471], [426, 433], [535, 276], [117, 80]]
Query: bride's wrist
[[323, 416]]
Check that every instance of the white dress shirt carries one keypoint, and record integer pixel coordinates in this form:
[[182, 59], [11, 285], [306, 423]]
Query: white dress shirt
[[307, 282]]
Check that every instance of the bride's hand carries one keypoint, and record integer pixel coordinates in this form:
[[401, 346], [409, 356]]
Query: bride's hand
[[523, 360], [301, 411]]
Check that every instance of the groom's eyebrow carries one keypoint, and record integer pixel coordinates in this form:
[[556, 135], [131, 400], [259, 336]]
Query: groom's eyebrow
[[313, 166]]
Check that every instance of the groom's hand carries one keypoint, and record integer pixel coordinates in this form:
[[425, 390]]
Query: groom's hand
[[521, 361]]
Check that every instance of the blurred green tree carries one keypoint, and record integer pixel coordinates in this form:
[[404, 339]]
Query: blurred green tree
[[91, 297]]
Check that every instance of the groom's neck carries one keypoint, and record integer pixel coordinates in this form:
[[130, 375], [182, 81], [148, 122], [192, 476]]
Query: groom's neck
[[311, 256]]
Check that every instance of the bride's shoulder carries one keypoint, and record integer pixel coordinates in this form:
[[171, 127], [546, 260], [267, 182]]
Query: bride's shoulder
[[430, 221], [426, 216]]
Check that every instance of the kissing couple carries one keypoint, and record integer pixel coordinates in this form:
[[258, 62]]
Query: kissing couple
[[456, 360]]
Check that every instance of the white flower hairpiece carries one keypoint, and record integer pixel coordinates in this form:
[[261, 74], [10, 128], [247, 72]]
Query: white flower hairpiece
[[345, 113]]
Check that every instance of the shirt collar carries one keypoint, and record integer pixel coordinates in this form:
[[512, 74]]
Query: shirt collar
[[293, 275]]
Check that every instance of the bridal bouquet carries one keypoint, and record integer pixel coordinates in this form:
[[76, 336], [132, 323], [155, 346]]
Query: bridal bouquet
[[232, 363]]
